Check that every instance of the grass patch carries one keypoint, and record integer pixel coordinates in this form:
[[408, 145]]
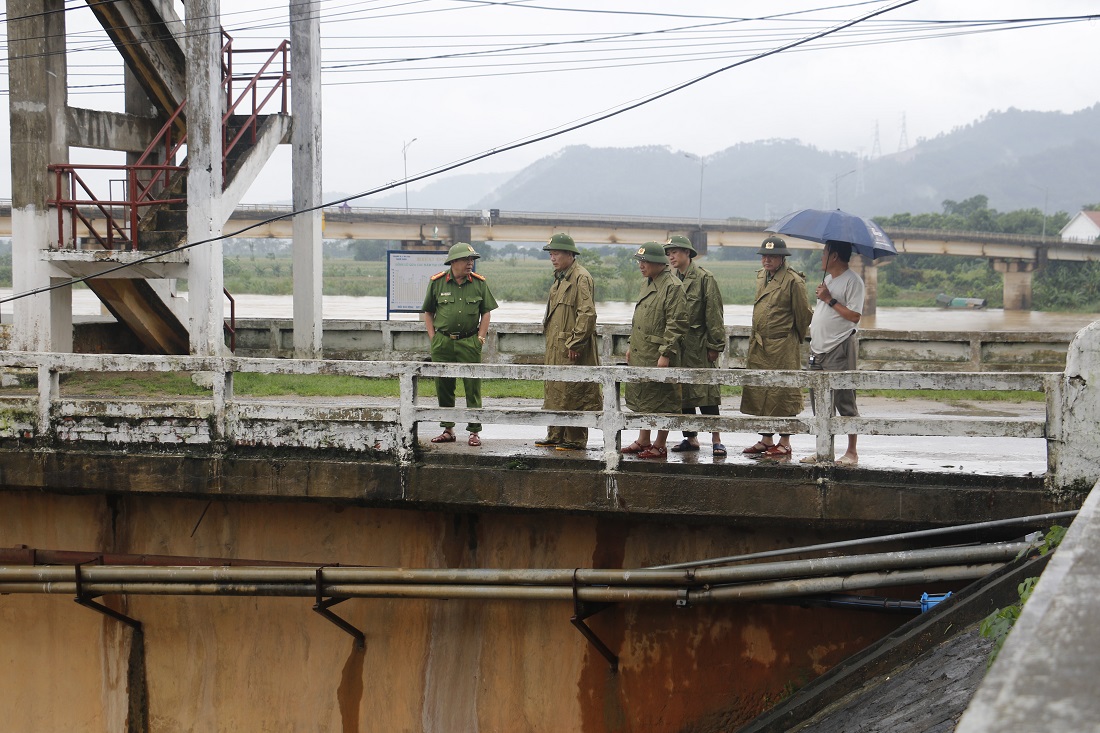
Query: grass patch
[[179, 384], [957, 395], [130, 384]]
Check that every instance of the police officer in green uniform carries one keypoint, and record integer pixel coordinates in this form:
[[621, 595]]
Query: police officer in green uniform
[[456, 313]]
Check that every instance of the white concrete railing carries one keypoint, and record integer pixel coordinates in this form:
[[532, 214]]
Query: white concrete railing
[[226, 411]]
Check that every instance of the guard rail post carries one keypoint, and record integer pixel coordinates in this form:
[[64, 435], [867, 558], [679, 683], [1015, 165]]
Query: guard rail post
[[222, 389], [49, 388], [821, 399], [406, 414], [611, 423]]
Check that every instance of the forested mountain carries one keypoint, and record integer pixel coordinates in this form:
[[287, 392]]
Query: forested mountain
[[1019, 159]]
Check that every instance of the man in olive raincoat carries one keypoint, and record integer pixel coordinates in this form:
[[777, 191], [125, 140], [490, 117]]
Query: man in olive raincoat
[[570, 329], [780, 323], [704, 340], [660, 321]]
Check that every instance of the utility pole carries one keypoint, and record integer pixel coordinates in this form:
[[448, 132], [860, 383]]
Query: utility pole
[[405, 158]]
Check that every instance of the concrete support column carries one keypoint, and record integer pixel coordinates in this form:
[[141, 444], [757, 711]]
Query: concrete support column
[[698, 239], [204, 179], [868, 272], [37, 101], [1074, 453], [305, 64], [460, 233], [1017, 282]]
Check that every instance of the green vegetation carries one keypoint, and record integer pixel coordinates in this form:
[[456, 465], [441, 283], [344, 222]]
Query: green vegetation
[[179, 384], [997, 624], [915, 280]]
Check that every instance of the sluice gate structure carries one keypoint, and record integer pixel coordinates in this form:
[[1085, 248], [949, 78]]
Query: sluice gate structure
[[319, 557]]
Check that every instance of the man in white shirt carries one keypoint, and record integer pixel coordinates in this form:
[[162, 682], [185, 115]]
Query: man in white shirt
[[834, 345]]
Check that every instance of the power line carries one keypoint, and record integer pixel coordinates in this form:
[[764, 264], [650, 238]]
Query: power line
[[561, 130]]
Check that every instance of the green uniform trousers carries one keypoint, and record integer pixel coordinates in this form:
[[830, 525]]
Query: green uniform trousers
[[461, 351]]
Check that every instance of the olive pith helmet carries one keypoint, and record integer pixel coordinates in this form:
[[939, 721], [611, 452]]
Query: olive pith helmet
[[460, 250], [651, 252], [561, 243], [681, 242], [774, 246]]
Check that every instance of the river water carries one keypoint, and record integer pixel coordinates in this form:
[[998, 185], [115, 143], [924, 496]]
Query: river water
[[374, 308]]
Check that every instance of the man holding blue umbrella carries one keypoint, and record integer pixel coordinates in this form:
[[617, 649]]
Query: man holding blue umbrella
[[834, 345]]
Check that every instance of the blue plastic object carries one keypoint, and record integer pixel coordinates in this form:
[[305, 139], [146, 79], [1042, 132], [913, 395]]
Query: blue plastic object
[[927, 602]]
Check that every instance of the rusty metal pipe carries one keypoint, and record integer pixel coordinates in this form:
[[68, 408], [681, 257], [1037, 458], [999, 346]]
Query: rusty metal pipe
[[1027, 521], [552, 577], [722, 594]]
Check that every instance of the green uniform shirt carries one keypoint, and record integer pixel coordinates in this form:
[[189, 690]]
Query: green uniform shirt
[[457, 308]]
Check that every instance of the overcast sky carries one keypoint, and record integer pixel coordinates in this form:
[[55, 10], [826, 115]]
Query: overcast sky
[[832, 93]]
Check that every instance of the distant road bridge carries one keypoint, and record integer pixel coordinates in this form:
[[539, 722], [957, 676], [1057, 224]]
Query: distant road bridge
[[1015, 256]]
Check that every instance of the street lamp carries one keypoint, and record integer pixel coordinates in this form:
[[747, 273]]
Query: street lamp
[[836, 188], [1046, 198], [702, 166], [405, 158]]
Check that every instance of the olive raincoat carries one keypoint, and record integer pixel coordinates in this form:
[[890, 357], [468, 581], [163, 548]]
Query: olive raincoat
[[780, 323], [707, 332], [660, 321], [570, 324]]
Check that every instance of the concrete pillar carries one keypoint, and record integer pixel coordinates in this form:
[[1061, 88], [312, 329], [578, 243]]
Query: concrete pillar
[[305, 48], [1017, 282], [868, 272], [37, 101], [205, 100], [698, 239], [1074, 453], [460, 233]]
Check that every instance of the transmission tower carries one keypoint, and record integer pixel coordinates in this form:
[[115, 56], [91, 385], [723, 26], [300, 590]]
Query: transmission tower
[[903, 143], [876, 149]]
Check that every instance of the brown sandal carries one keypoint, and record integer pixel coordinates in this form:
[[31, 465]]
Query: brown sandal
[[635, 447], [759, 447], [444, 437], [474, 440]]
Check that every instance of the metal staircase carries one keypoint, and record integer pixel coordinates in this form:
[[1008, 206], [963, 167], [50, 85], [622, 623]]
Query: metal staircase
[[152, 213]]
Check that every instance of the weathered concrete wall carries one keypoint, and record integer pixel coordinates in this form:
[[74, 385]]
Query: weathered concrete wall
[[220, 664]]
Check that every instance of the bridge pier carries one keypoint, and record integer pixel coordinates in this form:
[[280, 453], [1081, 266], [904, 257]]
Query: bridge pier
[[1017, 282], [868, 271]]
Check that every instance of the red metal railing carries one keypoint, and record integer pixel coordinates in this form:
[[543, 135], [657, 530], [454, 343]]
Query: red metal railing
[[231, 326], [146, 182]]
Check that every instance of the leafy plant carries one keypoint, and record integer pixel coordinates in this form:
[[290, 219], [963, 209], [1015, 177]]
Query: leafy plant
[[997, 624]]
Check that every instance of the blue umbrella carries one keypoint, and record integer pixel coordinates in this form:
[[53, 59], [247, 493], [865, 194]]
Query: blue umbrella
[[865, 236]]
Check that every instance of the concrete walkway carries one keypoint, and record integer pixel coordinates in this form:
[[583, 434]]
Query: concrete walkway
[[976, 456]]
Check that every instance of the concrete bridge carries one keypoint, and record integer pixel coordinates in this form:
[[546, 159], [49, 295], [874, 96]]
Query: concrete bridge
[[1016, 257]]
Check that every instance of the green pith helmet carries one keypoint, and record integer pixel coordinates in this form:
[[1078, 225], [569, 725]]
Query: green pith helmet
[[562, 243], [774, 246], [681, 242], [460, 250], [651, 252]]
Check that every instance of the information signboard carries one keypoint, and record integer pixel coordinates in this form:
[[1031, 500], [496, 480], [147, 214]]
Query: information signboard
[[407, 277]]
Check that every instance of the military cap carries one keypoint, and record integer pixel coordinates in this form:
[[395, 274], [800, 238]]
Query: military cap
[[681, 242], [562, 243], [651, 252], [774, 246], [460, 250]]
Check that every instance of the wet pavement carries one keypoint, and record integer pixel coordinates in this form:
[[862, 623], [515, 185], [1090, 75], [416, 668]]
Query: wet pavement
[[974, 456]]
